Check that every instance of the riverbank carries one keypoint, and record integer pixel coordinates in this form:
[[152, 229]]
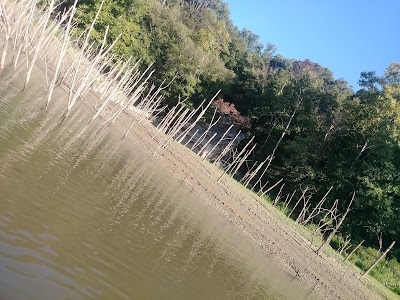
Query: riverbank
[[257, 221], [254, 220]]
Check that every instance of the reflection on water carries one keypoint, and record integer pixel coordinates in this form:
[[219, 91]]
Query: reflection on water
[[82, 216]]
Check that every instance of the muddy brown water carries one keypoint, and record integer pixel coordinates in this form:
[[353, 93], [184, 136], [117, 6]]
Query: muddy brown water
[[84, 215]]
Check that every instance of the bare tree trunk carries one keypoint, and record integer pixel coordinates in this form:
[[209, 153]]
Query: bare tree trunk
[[38, 46], [303, 211], [317, 208], [278, 196], [241, 162], [220, 140], [331, 235], [7, 32], [269, 189], [249, 177], [345, 245], [236, 159], [204, 135], [288, 200], [298, 201], [169, 117], [379, 259], [206, 145], [203, 111], [361, 152], [354, 250], [191, 138], [62, 54], [226, 149]]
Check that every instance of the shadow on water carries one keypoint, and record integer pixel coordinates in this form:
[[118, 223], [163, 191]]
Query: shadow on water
[[86, 215]]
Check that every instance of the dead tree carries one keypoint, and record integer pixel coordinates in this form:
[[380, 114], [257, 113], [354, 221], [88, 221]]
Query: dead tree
[[38, 45], [279, 195], [354, 250], [345, 246], [298, 201], [379, 259], [5, 15], [236, 159], [226, 149], [332, 234], [206, 145], [199, 4], [306, 200], [169, 117], [317, 209], [219, 141], [241, 161], [364, 147], [270, 188], [181, 137], [288, 200], [249, 176], [325, 224], [205, 133], [62, 54], [191, 138]]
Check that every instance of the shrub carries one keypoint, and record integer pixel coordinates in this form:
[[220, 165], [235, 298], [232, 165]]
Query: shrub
[[336, 242], [230, 109]]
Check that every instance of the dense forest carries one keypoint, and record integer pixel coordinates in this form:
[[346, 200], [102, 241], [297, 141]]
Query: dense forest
[[315, 131]]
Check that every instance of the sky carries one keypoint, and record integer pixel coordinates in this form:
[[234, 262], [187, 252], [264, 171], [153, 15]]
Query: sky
[[346, 36]]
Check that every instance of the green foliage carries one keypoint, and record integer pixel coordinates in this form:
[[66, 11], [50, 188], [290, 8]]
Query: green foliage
[[386, 272], [336, 242], [350, 142], [185, 44]]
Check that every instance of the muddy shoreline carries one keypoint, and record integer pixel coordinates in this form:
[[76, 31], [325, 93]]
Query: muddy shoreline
[[258, 222]]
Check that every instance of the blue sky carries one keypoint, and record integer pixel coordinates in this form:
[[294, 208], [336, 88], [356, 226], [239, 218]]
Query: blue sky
[[348, 37]]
